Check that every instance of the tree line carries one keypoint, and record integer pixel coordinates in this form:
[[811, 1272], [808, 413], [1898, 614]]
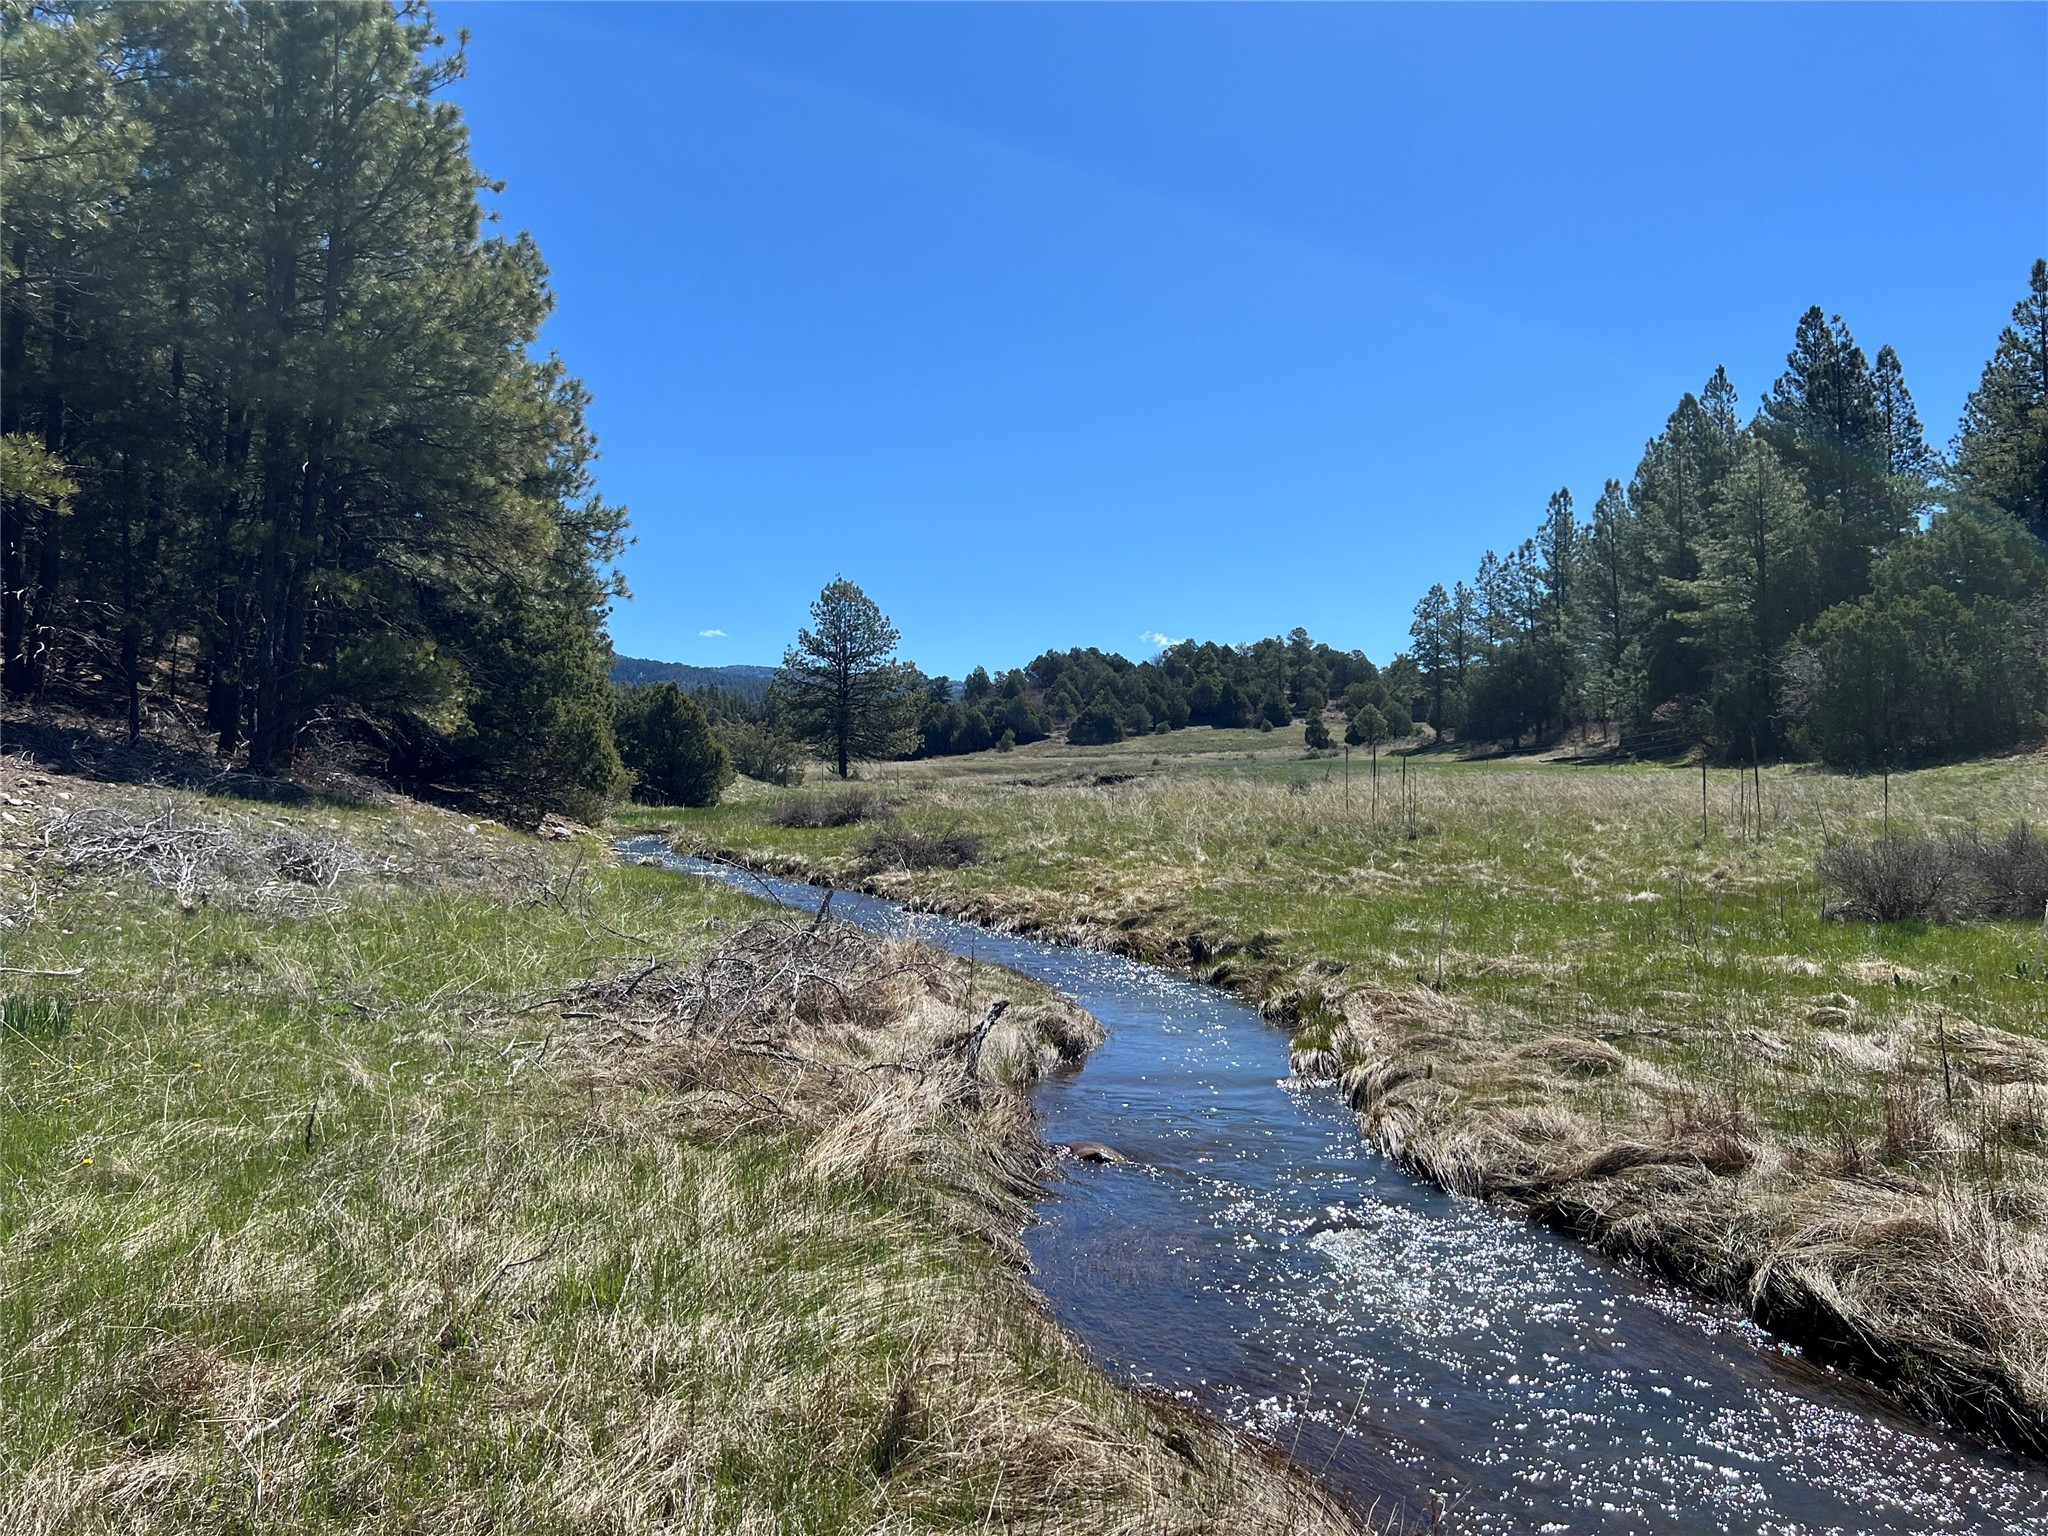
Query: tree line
[[1815, 580], [280, 455], [1098, 697], [844, 694]]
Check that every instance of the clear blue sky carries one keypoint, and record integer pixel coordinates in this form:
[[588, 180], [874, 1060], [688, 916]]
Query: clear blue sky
[[1066, 325]]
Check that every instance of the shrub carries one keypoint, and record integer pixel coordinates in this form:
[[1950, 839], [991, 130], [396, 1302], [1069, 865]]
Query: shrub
[[2011, 874], [1316, 735], [896, 846], [1894, 878], [762, 754], [840, 809]]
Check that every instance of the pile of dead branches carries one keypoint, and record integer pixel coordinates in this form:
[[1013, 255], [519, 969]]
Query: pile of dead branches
[[196, 858]]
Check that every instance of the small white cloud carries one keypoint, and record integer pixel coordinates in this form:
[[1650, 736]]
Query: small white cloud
[[1153, 637], [711, 634]]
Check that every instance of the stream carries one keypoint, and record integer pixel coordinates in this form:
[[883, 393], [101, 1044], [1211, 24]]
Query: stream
[[1260, 1260]]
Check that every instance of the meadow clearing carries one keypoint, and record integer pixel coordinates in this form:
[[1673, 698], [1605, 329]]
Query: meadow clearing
[[368, 1167], [1596, 992]]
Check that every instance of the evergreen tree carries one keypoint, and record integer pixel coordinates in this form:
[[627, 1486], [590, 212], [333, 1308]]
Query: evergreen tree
[[841, 688], [1822, 417], [1556, 543], [2001, 452], [1902, 445], [669, 745], [1097, 725], [1909, 464], [1611, 596], [1672, 496], [252, 312], [1367, 727], [1432, 634], [1461, 641], [1557, 614], [1946, 654], [1752, 594]]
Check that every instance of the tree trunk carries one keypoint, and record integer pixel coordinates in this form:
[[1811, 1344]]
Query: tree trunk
[[13, 532], [269, 605], [50, 551], [131, 622], [290, 711], [230, 577]]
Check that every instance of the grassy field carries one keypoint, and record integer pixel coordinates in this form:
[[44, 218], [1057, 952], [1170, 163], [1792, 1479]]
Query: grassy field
[[1581, 989], [367, 1168]]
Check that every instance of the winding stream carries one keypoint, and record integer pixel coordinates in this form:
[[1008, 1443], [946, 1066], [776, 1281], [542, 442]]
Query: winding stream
[[1262, 1261]]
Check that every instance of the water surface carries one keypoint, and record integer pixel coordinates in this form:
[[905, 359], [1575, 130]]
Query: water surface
[[1260, 1260]]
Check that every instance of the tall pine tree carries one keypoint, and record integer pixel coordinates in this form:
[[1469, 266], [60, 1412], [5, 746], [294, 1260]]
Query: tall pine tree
[[2001, 453], [1822, 417]]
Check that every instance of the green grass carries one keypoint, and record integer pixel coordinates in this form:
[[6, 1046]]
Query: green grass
[[1551, 983], [1571, 899], [318, 1218]]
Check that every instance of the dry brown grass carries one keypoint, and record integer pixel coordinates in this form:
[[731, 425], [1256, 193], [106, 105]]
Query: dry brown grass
[[1935, 1287], [1553, 987], [450, 1206]]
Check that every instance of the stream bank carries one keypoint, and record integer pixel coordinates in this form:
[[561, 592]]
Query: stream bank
[[1921, 1294], [1265, 1263]]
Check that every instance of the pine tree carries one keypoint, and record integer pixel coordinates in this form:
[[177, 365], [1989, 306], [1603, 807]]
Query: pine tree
[[1909, 464], [1671, 497], [2001, 452], [1431, 634], [1901, 443], [666, 741], [1752, 593], [841, 688], [1461, 633], [321, 469], [1555, 543], [1557, 629], [1612, 600], [1718, 402], [1822, 418]]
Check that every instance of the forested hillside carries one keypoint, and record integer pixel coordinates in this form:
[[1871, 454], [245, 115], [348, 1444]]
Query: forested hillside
[[278, 451], [750, 683]]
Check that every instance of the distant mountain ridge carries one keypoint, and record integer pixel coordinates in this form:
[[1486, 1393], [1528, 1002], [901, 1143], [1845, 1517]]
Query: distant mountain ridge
[[751, 683]]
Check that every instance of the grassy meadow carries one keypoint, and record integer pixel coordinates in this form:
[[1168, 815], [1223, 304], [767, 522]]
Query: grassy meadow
[[1551, 983], [367, 1168]]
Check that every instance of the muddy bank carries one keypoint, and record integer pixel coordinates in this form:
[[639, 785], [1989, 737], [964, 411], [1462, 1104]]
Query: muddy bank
[[1938, 1294]]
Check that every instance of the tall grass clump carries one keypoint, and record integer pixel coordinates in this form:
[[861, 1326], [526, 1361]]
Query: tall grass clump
[[839, 808], [897, 845]]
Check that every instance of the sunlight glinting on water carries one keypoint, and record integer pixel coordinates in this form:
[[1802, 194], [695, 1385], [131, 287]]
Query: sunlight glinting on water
[[1401, 1342]]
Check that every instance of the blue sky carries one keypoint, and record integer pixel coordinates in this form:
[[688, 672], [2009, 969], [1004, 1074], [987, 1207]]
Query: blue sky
[[1061, 326]]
